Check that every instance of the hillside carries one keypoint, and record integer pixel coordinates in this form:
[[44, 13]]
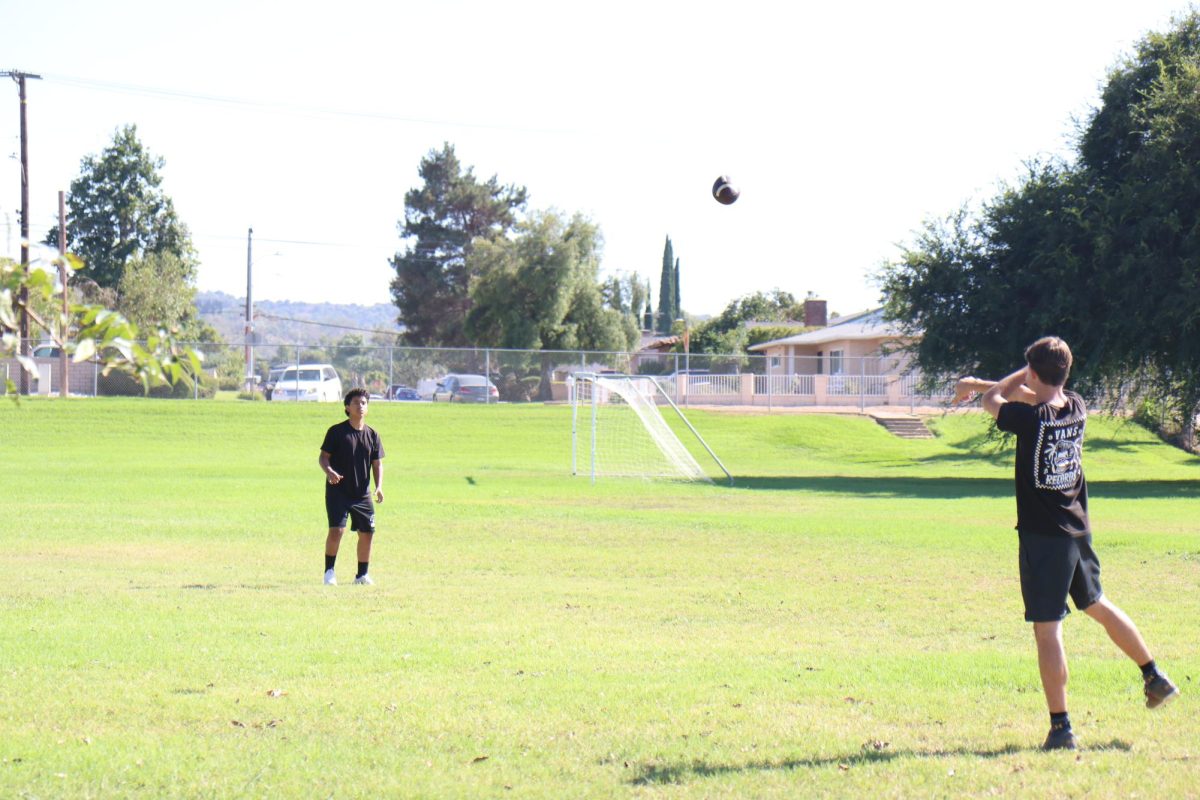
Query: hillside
[[287, 322]]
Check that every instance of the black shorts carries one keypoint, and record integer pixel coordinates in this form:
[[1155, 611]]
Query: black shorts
[[1053, 567], [361, 512]]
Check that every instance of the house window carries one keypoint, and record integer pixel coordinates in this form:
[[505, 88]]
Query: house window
[[820, 362], [774, 362], [835, 362]]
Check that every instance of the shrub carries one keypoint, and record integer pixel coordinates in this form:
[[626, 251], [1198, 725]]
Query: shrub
[[516, 389], [120, 384]]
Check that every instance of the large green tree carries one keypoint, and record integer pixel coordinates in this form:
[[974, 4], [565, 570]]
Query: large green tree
[[1141, 155], [626, 293], [446, 217], [156, 291], [541, 290], [1103, 250], [117, 211], [727, 332]]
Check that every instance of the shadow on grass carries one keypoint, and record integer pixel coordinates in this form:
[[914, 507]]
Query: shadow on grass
[[656, 774], [926, 488], [953, 488]]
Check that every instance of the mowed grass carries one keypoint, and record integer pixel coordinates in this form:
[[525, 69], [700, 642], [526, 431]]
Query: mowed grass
[[846, 621]]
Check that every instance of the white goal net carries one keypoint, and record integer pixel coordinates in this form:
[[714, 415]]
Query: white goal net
[[618, 430]]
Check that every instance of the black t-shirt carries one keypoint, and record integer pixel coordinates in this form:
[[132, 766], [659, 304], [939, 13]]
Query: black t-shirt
[[350, 455], [1051, 490]]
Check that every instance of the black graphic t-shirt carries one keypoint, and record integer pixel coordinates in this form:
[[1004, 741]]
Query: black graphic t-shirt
[[1051, 490], [350, 454]]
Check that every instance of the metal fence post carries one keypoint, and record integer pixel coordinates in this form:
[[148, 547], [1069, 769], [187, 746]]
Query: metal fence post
[[595, 410], [862, 384], [574, 425]]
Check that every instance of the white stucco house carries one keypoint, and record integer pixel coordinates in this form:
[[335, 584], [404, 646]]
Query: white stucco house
[[857, 344]]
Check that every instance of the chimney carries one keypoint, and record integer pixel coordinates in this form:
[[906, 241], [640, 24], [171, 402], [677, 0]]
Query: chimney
[[815, 314]]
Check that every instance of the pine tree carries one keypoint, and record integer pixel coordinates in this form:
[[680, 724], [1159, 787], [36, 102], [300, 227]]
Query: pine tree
[[446, 216]]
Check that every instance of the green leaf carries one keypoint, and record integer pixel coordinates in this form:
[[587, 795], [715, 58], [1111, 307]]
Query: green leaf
[[85, 349]]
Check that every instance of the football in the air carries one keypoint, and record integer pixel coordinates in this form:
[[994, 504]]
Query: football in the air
[[724, 191]]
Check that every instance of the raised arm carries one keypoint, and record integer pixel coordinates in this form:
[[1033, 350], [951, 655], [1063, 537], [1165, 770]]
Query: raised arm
[[967, 388], [1009, 388]]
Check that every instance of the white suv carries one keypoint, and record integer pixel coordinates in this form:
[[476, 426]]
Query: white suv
[[315, 382]]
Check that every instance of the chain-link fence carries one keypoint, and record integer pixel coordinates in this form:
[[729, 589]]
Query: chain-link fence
[[324, 372]]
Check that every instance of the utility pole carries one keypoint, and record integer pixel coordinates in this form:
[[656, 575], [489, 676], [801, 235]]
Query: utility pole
[[23, 295], [249, 315], [64, 380]]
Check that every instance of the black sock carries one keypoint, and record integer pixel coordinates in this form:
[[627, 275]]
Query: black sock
[[1060, 719], [1149, 670], [329, 562], [362, 568]]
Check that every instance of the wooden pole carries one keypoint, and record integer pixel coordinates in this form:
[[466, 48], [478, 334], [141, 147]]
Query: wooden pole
[[64, 380]]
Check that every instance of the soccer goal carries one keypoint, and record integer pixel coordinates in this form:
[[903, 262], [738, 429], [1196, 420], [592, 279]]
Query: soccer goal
[[617, 430]]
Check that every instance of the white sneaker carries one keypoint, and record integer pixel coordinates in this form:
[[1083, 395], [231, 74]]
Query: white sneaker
[[330, 578], [364, 580]]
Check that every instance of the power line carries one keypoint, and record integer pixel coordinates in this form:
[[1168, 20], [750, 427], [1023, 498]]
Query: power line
[[324, 324], [284, 108]]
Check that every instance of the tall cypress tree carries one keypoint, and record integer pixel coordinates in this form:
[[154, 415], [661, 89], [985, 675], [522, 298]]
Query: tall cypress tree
[[678, 305], [666, 290]]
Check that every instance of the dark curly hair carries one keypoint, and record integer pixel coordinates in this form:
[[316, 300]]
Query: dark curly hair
[[357, 391]]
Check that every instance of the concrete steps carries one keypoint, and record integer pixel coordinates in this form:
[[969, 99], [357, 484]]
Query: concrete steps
[[905, 427]]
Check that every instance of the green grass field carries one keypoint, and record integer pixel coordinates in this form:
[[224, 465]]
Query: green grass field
[[844, 622]]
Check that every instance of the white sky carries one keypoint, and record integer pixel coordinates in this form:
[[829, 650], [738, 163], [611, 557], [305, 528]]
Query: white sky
[[844, 125]]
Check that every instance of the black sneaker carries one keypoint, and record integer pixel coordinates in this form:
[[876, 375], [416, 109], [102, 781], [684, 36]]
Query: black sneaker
[[1160, 691], [1060, 738]]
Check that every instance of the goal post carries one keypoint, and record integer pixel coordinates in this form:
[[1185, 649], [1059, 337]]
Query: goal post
[[618, 429]]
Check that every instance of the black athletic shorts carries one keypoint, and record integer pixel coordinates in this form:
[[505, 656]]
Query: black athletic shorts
[[1053, 567], [361, 511]]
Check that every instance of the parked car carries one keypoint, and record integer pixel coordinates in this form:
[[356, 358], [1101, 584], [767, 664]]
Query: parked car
[[46, 351], [273, 376], [466, 389], [311, 382], [398, 392], [426, 387], [695, 377]]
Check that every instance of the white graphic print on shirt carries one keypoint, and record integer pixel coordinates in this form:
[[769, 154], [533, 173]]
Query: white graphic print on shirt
[[1058, 458]]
